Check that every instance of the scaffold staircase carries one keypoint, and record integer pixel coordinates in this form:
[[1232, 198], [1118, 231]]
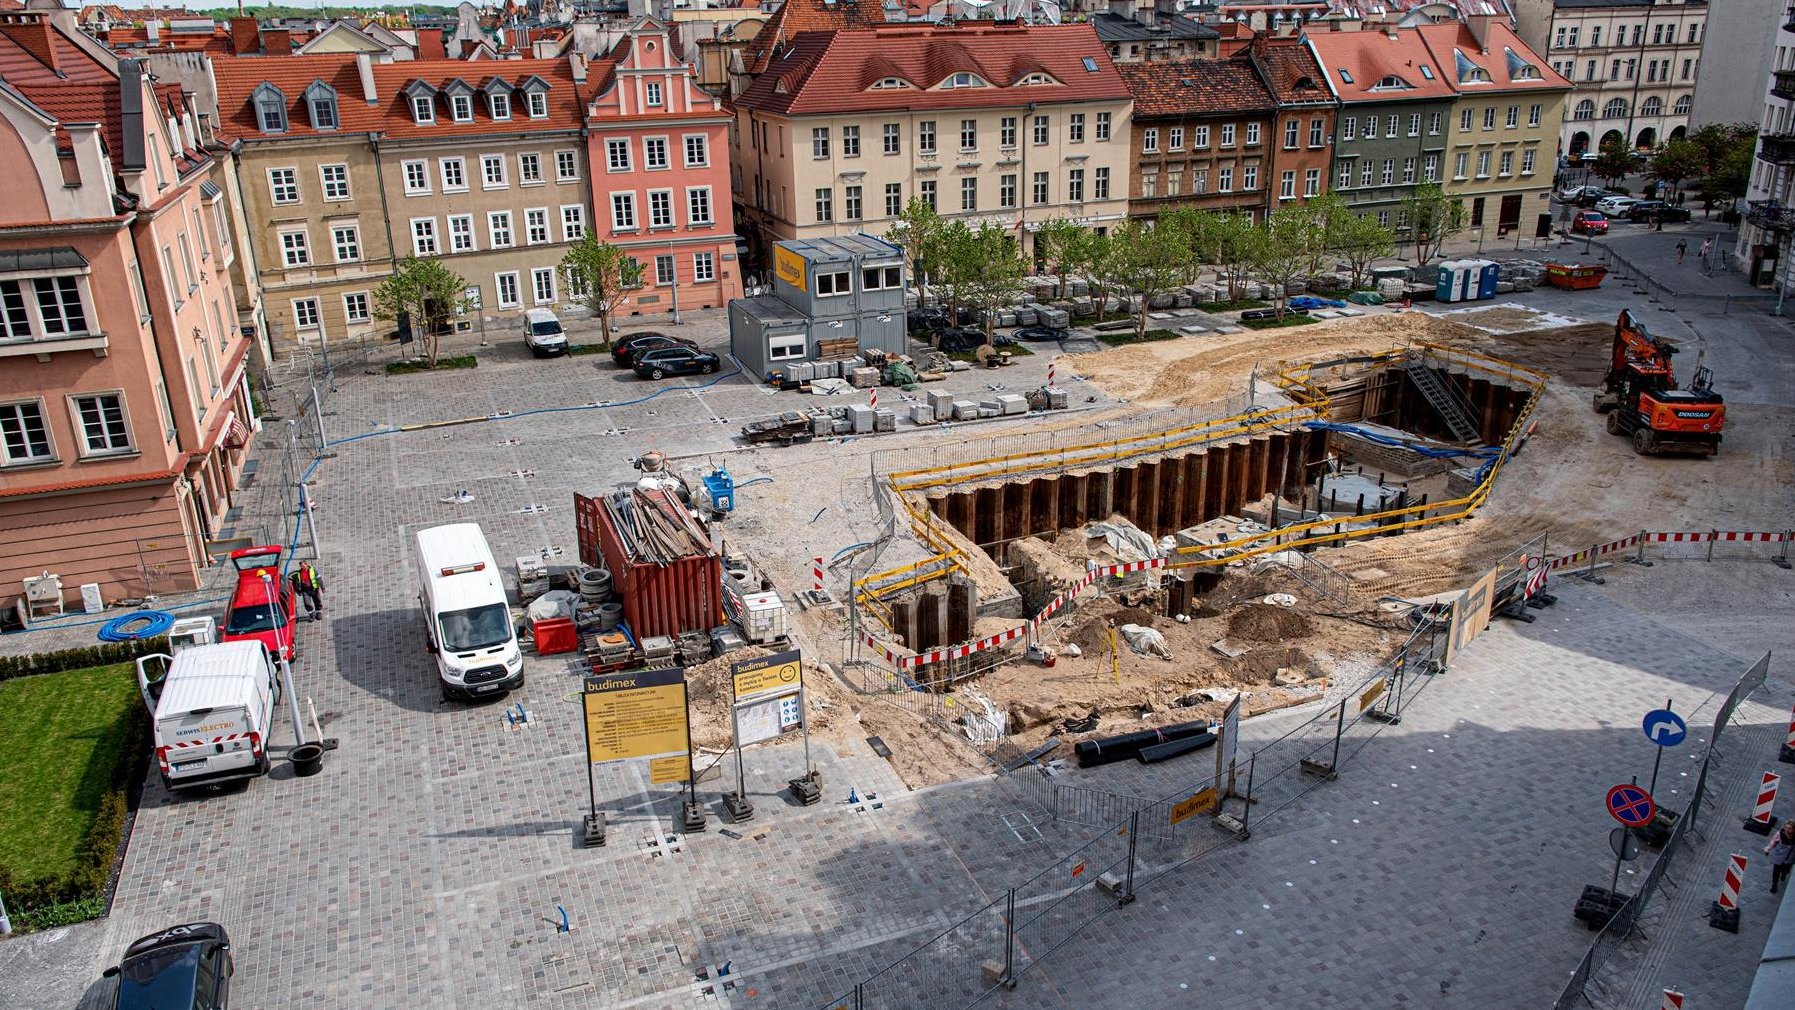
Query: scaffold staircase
[[1446, 401]]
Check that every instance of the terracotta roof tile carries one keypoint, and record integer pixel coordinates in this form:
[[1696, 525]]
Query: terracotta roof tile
[[795, 16], [1381, 66], [1195, 87], [826, 71], [1508, 63], [1289, 68]]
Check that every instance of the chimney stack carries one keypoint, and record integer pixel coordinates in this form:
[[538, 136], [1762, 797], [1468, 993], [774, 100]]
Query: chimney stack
[[31, 31], [277, 42], [364, 68], [246, 36], [577, 63]]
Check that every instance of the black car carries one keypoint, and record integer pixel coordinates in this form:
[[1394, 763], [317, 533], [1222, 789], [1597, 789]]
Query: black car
[[660, 362], [181, 966], [625, 350], [1042, 333], [1657, 210]]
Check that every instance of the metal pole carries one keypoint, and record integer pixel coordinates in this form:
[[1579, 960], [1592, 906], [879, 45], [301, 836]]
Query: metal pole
[[591, 779], [741, 773], [318, 415], [803, 722], [671, 255], [1339, 728], [280, 650], [1134, 832], [1653, 788], [1712, 536], [1009, 936], [311, 522]]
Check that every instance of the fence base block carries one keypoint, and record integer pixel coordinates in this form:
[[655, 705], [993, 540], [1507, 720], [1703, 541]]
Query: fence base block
[[1393, 717], [1786, 755], [1321, 768], [1758, 827], [592, 830], [738, 808], [807, 789], [996, 974], [692, 816], [1723, 918], [1597, 905], [1231, 823]]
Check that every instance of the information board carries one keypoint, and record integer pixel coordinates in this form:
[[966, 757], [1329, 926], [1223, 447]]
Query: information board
[[636, 715], [780, 673]]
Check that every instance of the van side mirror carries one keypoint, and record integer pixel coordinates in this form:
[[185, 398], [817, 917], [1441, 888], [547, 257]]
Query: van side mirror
[[111, 972], [429, 646]]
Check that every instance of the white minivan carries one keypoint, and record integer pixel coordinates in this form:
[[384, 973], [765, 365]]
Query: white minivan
[[467, 620], [543, 334], [213, 709]]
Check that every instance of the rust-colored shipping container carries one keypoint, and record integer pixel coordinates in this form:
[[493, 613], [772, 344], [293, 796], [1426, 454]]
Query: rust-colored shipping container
[[686, 594]]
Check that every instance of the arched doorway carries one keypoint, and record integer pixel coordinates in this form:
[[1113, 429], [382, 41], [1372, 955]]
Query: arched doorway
[[1613, 138], [1679, 133], [1648, 139], [1579, 142]]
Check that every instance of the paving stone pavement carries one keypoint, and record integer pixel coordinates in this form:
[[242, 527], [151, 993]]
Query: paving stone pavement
[[424, 867]]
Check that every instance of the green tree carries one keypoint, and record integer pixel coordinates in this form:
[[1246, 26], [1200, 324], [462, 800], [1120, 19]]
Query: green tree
[[1097, 252], [916, 231], [1231, 242], [1146, 261], [1288, 238], [1676, 161], [608, 275], [1435, 218], [1329, 212], [1063, 246], [1614, 163], [1360, 240], [425, 294], [984, 267]]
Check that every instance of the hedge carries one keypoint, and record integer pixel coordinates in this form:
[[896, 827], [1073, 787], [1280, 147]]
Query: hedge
[[104, 654], [80, 894]]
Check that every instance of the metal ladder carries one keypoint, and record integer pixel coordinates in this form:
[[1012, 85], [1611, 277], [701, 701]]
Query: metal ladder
[[1446, 401]]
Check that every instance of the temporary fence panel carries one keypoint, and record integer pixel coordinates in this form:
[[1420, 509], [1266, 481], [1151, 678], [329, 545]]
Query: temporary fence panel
[[951, 970]]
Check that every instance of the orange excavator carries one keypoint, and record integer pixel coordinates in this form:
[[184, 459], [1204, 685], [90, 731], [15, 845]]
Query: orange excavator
[[1640, 397]]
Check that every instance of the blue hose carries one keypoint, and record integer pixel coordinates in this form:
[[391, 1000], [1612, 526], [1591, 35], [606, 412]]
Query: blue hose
[[751, 483], [119, 629]]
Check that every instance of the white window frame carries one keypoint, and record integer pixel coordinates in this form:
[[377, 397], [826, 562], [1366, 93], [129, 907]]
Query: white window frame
[[461, 108], [463, 239], [660, 210], [704, 149], [459, 167], [537, 276], [337, 245], [423, 232], [573, 222], [536, 230], [650, 163], [325, 183], [43, 424], [290, 187], [693, 217], [499, 233], [623, 212], [287, 248], [529, 163], [423, 109], [617, 155], [317, 322], [652, 94], [567, 165], [417, 177], [535, 104], [704, 267], [515, 301], [487, 162], [83, 442], [349, 315]]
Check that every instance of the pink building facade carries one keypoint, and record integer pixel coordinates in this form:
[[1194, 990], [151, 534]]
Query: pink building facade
[[124, 410], [659, 156]]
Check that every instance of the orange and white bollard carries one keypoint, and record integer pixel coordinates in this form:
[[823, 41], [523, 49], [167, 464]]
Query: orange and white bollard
[[816, 574], [1724, 914], [1760, 820]]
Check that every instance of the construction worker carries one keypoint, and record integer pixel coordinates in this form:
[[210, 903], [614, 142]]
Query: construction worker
[[310, 587]]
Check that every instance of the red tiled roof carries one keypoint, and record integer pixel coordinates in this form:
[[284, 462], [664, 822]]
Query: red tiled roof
[[1196, 87], [1289, 68], [1370, 56], [128, 41], [239, 78], [825, 71], [796, 16], [1503, 62], [80, 90]]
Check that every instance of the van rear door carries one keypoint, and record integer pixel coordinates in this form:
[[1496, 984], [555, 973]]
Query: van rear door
[[209, 744]]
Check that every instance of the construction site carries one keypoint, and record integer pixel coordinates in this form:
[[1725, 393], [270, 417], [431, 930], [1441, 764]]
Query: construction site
[[1253, 518]]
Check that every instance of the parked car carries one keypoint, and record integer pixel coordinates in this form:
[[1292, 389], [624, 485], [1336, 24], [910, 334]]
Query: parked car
[[1657, 210], [1042, 333], [263, 607], [181, 966], [543, 334], [1576, 194], [1615, 206], [625, 350], [660, 362], [1589, 222], [1593, 195]]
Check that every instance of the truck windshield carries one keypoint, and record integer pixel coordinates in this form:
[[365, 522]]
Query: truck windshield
[[476, 628], [545, 329], [253, 618]]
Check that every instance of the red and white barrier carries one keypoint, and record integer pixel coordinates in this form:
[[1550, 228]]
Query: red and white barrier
[[1673, 1000], [1791, 741], [816, 573], [1050, 375], [873, 398], [1730, 884], [1535, 583], [1584, 557], [1760, 812]]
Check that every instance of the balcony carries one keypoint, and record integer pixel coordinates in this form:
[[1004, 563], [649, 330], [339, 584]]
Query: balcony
[[1789, 21], [1777, 148], [1772, 217], [1782, 85]]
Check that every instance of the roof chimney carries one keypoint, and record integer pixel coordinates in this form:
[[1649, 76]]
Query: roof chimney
[[1480, 29], [277, 42], [31, 31], [364, 68], [152, 30], [246, 36], [577, 63]]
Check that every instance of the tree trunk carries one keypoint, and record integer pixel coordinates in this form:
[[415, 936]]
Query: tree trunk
[[604, 330], [1140, 320]]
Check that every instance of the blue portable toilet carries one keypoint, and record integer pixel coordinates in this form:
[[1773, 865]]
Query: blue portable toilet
[[1486, 273], [1446, 285]]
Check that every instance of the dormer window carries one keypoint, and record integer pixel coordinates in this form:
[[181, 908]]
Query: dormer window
[[535, 91], [1032, 79], [1391, 82], [964, 80], [271, 108], [538, 104], [321, 105], [499, 106], [890, 83], [462, 108], [423, 110]]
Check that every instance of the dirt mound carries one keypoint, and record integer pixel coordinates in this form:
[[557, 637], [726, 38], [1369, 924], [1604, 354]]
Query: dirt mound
[[1261, 666], [709, 693], [1093, 634], [1265, 623]]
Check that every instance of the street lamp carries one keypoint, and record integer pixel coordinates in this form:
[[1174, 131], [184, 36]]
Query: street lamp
[[280, 651]]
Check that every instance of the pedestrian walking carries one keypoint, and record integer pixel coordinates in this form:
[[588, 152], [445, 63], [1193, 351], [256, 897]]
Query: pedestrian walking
[[310, 587], [1682, 249], [1781, 850], [1707, 247]]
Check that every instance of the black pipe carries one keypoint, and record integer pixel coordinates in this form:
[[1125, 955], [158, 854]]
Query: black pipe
[[1104, 750], [1173, 748]]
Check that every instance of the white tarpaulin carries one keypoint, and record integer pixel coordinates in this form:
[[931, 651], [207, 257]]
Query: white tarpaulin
[[1145, 640], [1129, 542]]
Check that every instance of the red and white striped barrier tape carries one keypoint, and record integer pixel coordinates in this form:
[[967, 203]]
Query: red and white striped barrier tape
[[1078, 589], [1673, 1000], [1712, 536]]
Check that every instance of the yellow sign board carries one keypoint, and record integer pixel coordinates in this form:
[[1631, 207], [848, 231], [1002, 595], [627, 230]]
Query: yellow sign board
[[1373, 691], [674, 768], [789, 266], [781, 673], [637, 715], [1200, 802]]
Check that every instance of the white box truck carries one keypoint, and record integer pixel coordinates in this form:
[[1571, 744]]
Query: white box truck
[[213, 711], [467, 620]]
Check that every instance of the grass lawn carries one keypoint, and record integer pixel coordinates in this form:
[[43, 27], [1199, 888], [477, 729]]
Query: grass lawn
[[443, 364], [60, 739], [1120, 337]]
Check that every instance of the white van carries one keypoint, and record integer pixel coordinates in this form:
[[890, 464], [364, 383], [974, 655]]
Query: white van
[[543, 334], [213, 711], [467, 620]]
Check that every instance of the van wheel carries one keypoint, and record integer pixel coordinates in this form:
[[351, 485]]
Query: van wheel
[[448, 695]]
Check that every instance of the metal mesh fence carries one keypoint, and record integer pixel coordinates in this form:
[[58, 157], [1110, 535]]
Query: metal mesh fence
[[952, 970]]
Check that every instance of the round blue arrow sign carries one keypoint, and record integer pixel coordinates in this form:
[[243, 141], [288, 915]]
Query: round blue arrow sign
[[1664, 727]]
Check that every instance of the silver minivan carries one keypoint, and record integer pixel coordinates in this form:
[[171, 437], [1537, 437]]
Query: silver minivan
[[543, 334]]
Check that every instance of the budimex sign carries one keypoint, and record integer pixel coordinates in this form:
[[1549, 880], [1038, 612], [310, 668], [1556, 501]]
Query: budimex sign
[[780, 673], [789, 266], [636, 715], [1200, 802]]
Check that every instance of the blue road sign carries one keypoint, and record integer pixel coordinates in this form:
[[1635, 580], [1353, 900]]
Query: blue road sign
[[1664, 727], [1631, 805]]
